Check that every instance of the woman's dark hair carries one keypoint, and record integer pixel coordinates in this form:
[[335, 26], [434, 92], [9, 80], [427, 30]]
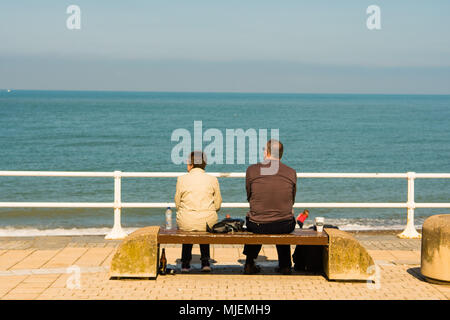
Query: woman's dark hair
[[197, 159]]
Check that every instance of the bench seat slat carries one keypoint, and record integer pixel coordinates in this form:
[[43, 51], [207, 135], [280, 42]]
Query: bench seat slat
[[301, 237]]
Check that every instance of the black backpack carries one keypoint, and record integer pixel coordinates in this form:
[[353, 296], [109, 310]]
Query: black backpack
[[226, 226], [310, 258]]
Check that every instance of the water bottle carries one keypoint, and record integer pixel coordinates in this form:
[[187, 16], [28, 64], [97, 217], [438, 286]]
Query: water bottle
[[168, 218]]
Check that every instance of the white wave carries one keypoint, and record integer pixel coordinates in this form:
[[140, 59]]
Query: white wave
[[367, 224], [33, 232], [362, 227], [346, 224], [358, 227]]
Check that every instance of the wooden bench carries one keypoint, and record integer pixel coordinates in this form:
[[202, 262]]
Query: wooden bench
[[298, 237], [343, 257]]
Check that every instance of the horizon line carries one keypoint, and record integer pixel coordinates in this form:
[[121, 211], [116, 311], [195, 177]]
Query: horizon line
[[226, 92]]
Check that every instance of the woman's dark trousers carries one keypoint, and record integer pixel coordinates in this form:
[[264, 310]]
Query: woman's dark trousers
[[186, 253]]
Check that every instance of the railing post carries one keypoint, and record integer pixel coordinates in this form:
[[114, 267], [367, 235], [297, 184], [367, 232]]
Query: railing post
[[410, 231], [117, 232]]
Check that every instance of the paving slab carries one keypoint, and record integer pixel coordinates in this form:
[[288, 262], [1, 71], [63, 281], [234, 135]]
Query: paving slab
[[13, 257], [35, 260]]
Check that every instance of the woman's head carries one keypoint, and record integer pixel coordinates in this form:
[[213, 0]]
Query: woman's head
[[197, 159]]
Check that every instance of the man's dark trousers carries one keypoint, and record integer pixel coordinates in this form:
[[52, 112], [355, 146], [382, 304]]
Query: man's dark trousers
[[278, 227]]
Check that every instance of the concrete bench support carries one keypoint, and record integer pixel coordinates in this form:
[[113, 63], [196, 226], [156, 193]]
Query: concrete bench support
[[345, 258], [137, 255], [435, 257]]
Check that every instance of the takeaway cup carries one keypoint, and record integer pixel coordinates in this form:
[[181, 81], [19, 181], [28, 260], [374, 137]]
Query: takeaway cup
[[319, 223]]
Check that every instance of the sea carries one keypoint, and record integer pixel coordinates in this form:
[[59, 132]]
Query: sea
[[133, 132]]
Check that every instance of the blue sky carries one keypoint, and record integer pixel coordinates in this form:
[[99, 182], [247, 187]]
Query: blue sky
[[238, 46]]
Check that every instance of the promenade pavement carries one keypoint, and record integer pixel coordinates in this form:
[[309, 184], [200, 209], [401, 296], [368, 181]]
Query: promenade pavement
[[77, 268]]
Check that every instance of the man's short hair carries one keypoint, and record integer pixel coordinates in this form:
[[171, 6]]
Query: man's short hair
[[275, 148], [197, 159]]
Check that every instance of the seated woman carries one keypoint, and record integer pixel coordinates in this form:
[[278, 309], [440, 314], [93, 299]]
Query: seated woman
[[197, 201]]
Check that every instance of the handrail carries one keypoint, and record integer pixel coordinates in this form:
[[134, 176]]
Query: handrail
[[87, 174], [118, 233]]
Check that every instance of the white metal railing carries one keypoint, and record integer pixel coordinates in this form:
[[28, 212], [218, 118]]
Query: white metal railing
[[118, 233]]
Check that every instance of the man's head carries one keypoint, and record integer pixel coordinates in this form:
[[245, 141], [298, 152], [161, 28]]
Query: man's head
[[197, 159], [274, 150]]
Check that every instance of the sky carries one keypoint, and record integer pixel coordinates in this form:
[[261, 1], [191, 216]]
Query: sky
[[227, 46]]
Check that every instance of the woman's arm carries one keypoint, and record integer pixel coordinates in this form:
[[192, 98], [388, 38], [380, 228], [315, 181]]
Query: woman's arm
[[217, 195], [178, 194]]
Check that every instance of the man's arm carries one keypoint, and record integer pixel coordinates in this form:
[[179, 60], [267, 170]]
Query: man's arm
[[248, 186], [294, 188]]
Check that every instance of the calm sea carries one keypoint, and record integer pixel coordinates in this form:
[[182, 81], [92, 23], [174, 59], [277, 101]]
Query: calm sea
[[131, 131]]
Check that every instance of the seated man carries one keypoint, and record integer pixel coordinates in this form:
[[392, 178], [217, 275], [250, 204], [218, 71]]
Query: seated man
[[197, 200], [271, 189]]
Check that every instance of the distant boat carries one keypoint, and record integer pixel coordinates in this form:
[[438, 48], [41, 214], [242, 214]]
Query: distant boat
[[9, 90]]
